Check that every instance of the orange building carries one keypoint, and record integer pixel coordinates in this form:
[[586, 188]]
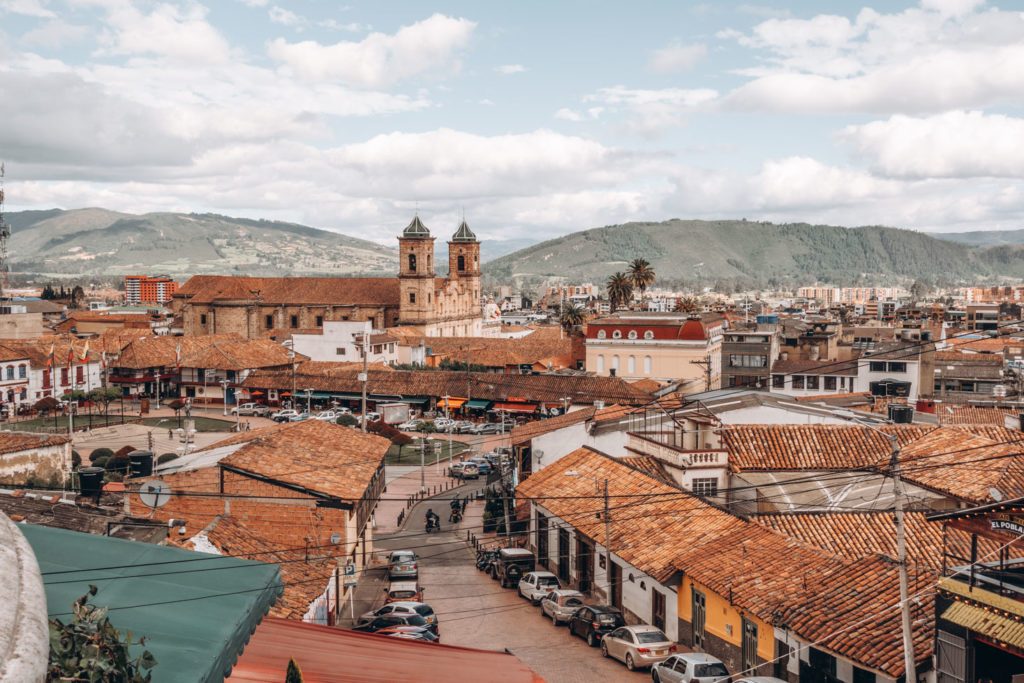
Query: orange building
[[142, 289]]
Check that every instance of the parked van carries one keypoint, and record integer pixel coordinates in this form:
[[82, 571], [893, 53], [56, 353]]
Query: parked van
[[406, 591]]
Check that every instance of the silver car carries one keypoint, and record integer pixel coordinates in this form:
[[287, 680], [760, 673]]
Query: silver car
[[690, 667], [425, 611], [535, 585], [638, 646], [561, 604], [402, 565]]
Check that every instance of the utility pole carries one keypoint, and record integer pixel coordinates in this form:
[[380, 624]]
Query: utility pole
[[901, 558], [364, 376], [705, 364], [607, 544]]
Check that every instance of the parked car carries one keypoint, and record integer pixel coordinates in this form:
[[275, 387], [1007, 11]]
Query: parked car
[[690, 667], [330, 415], [389, 620], [465, 470], [441, 423], [482, 465], [371, 417], [284, 415], [342, 410], [511, 564], [535, 585], [463, 427], [255, 409], [410, 426], [402, 565], [404, 591], [561, 604], [637, 646], [592, 622], [487, 428], [400, 607], [411, 632], [298, 417], [760, 679]]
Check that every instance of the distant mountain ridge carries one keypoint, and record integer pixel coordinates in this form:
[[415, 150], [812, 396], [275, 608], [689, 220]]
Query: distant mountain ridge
[[983, 238], [757, 253]]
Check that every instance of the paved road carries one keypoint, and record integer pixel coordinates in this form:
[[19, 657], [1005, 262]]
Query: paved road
[[474, 611]]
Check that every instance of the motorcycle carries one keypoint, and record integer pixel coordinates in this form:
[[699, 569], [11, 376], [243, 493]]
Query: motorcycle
[[432, 524], [456, 516], [485, 559]]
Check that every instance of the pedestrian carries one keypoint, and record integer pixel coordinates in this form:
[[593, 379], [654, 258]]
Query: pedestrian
[[170, 434], [464, 502], [247, 427]]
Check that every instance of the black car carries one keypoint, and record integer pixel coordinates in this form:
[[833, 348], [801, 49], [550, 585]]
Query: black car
[[389, 620], [593, 621]]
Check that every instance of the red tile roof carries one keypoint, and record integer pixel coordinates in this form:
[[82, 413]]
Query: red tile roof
[[239, 355], [334, 291], [16, 442], [970, 415], [524, 433]]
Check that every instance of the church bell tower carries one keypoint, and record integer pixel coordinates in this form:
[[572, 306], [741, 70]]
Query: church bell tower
[[416, 274]]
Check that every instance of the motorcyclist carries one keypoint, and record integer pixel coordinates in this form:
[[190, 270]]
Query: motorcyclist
[[433, 521]]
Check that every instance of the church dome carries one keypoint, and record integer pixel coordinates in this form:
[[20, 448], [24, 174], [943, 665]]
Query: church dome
[[416, 228], [463, 234]]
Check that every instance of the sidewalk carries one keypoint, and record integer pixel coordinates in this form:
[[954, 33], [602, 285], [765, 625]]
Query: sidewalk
[[403, 482]]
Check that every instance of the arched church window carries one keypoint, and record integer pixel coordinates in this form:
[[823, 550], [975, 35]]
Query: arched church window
[[412, 263], [462, 262]]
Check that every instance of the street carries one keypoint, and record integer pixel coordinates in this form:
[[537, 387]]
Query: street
[[474, 611]]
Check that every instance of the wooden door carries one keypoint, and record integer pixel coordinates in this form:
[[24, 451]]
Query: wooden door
[[699, 615], [563, 555], [584, 565], [658, 609]]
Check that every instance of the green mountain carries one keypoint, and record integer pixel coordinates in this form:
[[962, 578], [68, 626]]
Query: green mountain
[[101, 242], [983, 238], [745, 253]]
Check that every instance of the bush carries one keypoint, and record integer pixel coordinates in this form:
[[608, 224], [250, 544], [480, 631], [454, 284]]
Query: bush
[[100, 453], [427, 427], [112, 476], [166, 457], [117, 463], [347, 420], [76, 460], [101, 461]]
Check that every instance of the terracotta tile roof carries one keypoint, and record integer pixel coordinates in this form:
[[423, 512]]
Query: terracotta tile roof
[[500, 352], [810, 447], [969, 358], [239, 355], [15, 442], [653, 522], [524, 433], [649, 466], [970, 415], [312, 454], [612, 413], [304, 580], [983, 345], [11, 352], [334, 291], [482, 385], [160, 351], [854, 614], [648, 385]]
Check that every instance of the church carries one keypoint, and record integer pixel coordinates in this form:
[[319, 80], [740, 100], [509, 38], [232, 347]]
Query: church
[[417, 300]]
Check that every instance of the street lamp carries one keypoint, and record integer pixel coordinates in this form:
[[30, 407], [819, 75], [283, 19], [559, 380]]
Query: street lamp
[[224, 388], [602, 484], [423, 461], [447, 415]]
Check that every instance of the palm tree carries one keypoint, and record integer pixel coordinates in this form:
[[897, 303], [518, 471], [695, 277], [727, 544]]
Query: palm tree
[[687, 305], [620, 289], [571, 316], [641, 275]]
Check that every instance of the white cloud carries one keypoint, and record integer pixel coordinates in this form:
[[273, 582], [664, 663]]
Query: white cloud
[[30, 8], [379, 60], [486, 102], [255, 3], [947, 54], [955, 144], [567, 115], [285, 17], [651, 112], [676, 57], [55, 34], [352, 27], [179, 33], [510, 69]]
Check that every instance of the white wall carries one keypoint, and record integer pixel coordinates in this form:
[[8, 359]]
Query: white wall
[[341, 335]]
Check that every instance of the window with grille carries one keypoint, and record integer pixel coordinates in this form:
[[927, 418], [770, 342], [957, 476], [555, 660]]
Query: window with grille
[[706, 486]]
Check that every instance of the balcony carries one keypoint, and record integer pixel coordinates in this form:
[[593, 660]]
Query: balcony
[[656, 446]]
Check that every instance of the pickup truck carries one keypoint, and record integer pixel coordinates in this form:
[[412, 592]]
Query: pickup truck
[[256, 409]]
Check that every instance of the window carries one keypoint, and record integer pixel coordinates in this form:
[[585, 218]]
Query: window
[[746, 360], [601, 334], [778, 381], [202, 319], [615, 363], [876, 366], [24, 393], [46, 379], [862, 676], [412, 297], [812, 381], [79, 374], [600, 363], [632, 334], [295, 321], [798, 381], [897, 367], [830, 384], [648, 334], [462, 262], [319, 321], [412, 263], [647, 365], [631, 364], [617, 334], [22, 371], [63, 375], [10, 372], [340, 351], [268, 321], [706, 486]]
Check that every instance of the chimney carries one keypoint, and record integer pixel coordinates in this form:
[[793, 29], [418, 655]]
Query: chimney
[[611, 372]]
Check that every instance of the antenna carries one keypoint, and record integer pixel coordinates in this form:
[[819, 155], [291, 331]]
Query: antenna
[[154, 494], [5, 233]]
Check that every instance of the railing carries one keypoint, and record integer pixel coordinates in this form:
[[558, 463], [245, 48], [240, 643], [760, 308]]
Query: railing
[[678, 457]]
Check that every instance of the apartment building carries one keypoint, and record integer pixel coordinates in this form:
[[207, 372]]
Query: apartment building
[[142, 289]]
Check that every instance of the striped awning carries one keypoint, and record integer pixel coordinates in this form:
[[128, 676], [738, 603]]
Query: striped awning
[[991, 624]]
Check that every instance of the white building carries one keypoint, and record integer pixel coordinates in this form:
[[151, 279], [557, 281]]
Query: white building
[[342, 342]]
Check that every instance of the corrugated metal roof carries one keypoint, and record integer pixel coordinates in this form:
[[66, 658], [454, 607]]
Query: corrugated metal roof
[[995, 626]]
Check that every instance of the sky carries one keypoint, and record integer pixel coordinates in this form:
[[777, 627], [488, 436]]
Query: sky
[[531, 119]]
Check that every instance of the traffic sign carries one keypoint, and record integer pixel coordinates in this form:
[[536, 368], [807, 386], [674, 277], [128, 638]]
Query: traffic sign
[[350, 570]]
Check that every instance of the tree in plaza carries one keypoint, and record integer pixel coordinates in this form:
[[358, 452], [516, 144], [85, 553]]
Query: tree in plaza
[[641, 276], [572, 316], [104, 395], [687, 305], [620, 290]]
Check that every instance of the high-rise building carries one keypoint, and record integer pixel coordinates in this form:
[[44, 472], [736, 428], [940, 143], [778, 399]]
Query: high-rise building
[[142, 289]]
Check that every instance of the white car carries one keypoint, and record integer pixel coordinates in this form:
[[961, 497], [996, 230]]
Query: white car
[[410, 426], [257, 409], [561, 604], [690, 667], [441, 423], [535, 585], [419, 608], [284, 415], [327, 415], [638, 646]]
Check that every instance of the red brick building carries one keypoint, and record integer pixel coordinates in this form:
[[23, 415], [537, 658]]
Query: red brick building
[[142, 289]]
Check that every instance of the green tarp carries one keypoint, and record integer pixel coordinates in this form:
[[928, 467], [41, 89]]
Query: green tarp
[[477, 403], [196, 610]]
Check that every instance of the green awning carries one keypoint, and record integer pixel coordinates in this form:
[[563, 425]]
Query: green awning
[[417, 401], [195, 610], [478, 403], [324, 394]]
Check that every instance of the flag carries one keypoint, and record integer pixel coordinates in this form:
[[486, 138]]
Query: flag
[[177, 357], [49, 359], [85, 352]]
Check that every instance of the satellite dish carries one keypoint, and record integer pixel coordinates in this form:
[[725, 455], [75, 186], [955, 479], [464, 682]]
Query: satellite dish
[[996, 495], [154, 494], [335, 538]]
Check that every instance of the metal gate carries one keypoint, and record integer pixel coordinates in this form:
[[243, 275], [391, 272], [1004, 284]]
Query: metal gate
[[699, 617], [951, 655], [542, 540]]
